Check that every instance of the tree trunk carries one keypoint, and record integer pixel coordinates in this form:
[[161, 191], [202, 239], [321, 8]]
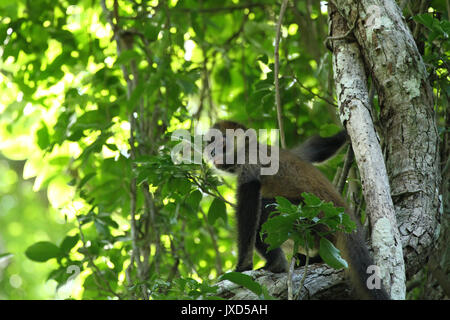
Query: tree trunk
[[354, 106], [321, 283], [411, 140], [408, 120]]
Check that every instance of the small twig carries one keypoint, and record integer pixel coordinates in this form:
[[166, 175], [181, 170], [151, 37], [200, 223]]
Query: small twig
[[98, 276], [201, 186], [337, 176], [221, 9], [290, 280], [402, 4], [413, 284], [347, 36], [349, 157], [213, 236], [277, 71], [446, 167], [448, 9], [126, 39], [418, 25], [174, 269], [301, 85], [237, 33], [305, 271], [129, 277]]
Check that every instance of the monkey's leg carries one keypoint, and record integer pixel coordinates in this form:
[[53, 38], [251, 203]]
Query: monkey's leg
[[301, 260], [248, 212], [275, 259]]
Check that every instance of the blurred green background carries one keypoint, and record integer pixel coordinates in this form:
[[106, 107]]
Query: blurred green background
[[77, 77]]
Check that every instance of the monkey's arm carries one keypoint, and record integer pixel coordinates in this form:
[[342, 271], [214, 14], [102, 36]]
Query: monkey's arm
[[248, 213]]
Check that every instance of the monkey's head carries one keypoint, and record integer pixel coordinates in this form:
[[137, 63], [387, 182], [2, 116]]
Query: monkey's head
[[223, 125], [224, 141]]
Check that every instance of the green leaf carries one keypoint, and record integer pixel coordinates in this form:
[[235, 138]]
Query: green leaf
[[59, 275], [43, 137], [42, 251], [101, 227], [136, 95], [285, 206], [310, 199], [331, 255], [217, 210], [425, 19], [68, 243], [85, 179], [151, 31], [106, 219], [264, 59], [283, 202], [279, 229], [348, 223], [193, 200], [126, 56], [243, 280], [179, 185]]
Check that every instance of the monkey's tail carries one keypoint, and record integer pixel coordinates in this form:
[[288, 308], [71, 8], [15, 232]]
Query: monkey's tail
[[355, 252], [318, 149]]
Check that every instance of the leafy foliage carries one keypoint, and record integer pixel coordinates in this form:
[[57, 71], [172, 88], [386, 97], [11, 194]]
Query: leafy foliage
[[91, 92], [300, 223], [247, 282]]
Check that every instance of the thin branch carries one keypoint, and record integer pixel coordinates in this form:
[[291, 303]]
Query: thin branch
[[98, 276], [349, 67], [277, 71], [221, 9], [174, 269], [337, 176], [301, 85], [124, 38], [213, 236], [289, 279], [403, 4], [237, 33], [305, 271], [418, 25], [448, 9], [349, 157], [202, 187]]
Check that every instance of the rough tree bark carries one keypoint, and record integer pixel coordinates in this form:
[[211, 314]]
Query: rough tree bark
[[407, 117], [354, 106], [410, 136], [321, 283]]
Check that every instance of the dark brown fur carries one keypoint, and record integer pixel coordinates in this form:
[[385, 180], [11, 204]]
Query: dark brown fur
[[294, 176]]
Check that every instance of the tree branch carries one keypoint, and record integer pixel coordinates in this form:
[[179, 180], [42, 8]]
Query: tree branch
[[352, 92], [349, 157], [408, 118], [221, 9], [277, 71], [321, 282]]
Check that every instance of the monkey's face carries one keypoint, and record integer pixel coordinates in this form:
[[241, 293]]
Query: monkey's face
[[228, 145], [216, 151]]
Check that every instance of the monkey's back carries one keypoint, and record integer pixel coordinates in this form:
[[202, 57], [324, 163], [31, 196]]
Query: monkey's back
[[296, 176]]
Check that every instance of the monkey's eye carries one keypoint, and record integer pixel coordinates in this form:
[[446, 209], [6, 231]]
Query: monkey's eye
[[213, 153]]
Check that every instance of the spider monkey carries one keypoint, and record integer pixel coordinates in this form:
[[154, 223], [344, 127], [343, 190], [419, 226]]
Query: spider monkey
[[295, 175]]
